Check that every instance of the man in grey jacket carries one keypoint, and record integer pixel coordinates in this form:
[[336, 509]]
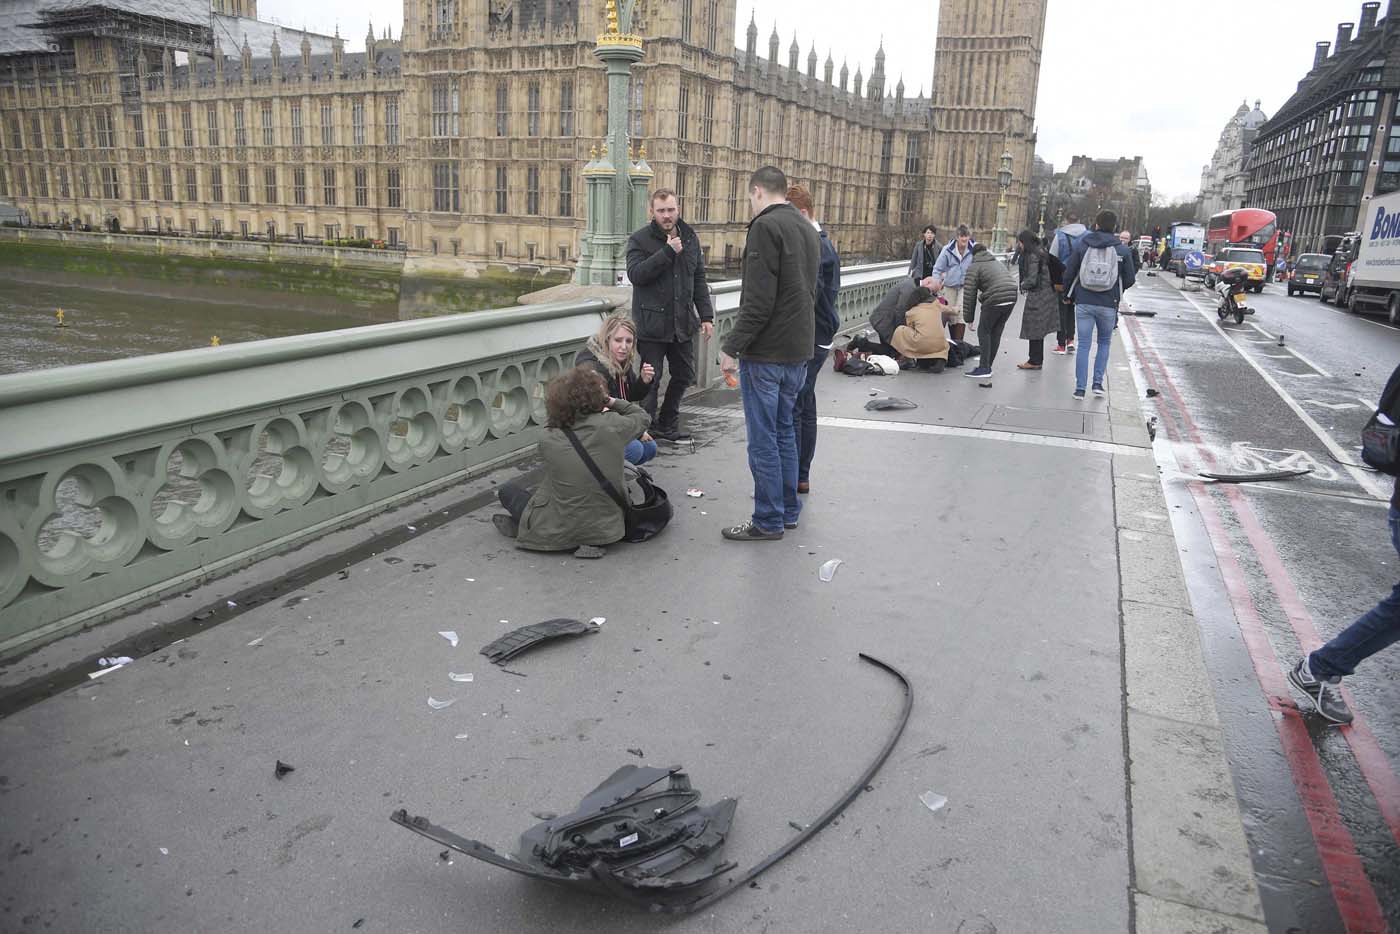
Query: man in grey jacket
[[774, 335]]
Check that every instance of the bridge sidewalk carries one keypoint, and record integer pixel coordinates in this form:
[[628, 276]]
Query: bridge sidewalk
[[1002, 547]]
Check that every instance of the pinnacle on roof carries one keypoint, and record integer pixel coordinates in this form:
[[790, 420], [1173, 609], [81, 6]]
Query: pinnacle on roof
[[880, 56], [795, 49]]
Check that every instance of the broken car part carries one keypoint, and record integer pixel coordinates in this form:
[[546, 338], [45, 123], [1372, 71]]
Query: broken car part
[[655, 848], [890, 402], [1257, 477], [518, 640]]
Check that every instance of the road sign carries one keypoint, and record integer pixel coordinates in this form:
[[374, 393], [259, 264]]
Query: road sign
[[1194, 260]]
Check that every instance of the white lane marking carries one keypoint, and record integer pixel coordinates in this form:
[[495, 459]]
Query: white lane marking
[[1342, 311], [1277, 356], [1362, 480], [1334, 406], [1367, 403], [1299, 375], [1290, 352], [1261, 330], [1319, 369], [986, 434]]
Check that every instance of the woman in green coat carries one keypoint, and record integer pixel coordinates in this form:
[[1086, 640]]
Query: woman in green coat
[[570, 511]]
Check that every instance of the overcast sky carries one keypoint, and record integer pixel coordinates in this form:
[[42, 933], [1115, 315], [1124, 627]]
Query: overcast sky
[[1158, 84]]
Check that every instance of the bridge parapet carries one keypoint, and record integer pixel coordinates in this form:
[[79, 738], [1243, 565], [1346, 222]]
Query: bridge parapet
[[127, 480]]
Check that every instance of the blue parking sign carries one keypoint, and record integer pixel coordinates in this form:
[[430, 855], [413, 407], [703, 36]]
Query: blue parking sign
[[1194, 260]]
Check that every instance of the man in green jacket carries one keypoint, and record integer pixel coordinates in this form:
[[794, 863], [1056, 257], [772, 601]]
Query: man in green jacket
[[773, 334], [988, 279]]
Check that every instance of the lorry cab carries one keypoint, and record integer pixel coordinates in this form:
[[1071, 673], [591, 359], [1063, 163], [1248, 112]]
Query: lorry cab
[[1333, 285], [1248, 258]]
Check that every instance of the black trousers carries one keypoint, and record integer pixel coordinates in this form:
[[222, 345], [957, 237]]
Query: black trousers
[[680, 355], [514, 496], [867, 345], [1065, 332], [993, 323], [1037, 355]]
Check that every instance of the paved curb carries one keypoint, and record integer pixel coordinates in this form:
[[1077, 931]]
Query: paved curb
[[1190, 867]]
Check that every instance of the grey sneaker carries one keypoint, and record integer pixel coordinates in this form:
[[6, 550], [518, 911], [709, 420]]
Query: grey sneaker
[[589, 551], [748, 532], [1328, 702]]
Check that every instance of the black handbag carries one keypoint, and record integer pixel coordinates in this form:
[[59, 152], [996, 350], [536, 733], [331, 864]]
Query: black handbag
[[1380, 445], [641, 521]]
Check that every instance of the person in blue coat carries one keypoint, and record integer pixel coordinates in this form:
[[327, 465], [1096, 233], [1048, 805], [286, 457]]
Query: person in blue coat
[[828, 323], [950, 269]]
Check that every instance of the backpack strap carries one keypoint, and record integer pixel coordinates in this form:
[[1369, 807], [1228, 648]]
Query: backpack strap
[[592, 466]]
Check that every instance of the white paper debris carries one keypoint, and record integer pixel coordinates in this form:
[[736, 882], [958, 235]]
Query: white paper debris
[[828, 570], [694, 493], [933, 800], [164, 851], [598, 620], [450, 636], [460, 736], [456, 677], [115, 660], [257, 641], [628, 840], [413, 528], [231, 603], [439, 704], [471, 580]]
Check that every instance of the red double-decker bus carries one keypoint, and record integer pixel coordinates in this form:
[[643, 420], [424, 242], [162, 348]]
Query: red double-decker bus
[[1250, 226]]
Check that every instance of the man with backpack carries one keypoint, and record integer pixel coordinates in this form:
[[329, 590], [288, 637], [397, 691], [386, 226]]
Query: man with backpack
[[1318, 674], [1065, 239], [1100, 270]]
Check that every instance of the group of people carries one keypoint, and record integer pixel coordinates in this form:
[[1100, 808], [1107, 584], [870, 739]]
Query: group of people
[[608, 411], [1072, 283]]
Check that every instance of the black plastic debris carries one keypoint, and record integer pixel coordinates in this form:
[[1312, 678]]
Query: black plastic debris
[[1257, 477], [518, 640], [885, 403], [1152, 393], [282, 768], [654, 847], [636, 752]]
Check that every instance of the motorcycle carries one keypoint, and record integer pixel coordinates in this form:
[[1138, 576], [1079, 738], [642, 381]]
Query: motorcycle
[[1231, 288]]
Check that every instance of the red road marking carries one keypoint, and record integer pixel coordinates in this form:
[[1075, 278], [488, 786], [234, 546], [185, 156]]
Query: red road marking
[[1356, 900]]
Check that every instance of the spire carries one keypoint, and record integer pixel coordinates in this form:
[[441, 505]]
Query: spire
[[899, 89], [793, 52], [829, 65], [812, 61], [752, 34], [845, 75], [858, 83], [880, 58], [773, 44]]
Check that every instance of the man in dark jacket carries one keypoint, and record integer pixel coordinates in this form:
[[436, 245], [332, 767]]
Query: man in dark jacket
[[1096, 305], [774, 334], [667, 271], [1318, 674], [989, 280], [828, 323]]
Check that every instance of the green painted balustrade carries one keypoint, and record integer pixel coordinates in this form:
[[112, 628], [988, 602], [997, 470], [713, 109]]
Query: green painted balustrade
[[124, 481]]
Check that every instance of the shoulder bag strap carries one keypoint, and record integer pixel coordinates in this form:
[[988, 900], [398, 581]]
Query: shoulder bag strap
[[592, 466]]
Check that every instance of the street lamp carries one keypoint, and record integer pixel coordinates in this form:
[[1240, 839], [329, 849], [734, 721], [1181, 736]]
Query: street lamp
[[999, 236], [1043, 199]]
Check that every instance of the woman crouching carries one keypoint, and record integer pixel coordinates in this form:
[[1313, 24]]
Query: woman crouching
[[570, 511], [612, 353]]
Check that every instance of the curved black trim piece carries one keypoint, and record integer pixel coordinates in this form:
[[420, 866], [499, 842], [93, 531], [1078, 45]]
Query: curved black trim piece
[[1257, 477], [826, 817]]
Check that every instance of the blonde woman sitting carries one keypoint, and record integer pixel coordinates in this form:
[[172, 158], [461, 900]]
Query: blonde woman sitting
[[611, 353]]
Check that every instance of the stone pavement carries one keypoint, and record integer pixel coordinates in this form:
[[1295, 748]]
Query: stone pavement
[[1007, 548]]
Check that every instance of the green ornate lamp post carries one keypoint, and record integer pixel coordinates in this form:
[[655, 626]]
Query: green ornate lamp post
[[999, 235], [616, 184], [1044, 198]]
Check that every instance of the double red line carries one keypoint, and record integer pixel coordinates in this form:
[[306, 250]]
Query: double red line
[[1357, 904]]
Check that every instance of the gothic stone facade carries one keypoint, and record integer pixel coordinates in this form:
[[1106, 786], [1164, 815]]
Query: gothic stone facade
[[466, 137]]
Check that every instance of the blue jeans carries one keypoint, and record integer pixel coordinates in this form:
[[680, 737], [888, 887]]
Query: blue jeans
[[769, 392], [1377, 628], [638, 452], [805, 415], [1087, 318]]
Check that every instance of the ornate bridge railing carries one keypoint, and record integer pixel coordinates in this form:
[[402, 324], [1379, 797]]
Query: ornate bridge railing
[[127, 480]]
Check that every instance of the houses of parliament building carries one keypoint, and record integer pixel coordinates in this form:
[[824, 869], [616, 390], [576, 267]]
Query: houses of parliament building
[[466, 135]]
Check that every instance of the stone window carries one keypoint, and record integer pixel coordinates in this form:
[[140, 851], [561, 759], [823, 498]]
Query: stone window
[[357, 121], [532, 189], [501, 181], [245, 190], [500, 249], [216, 183], [359, 233], [63, 182], [361, 188], [634, 106], [502, 109], [393, 236], [211, 123], [300, 232], [57, 133], [687, 14], [191, 183], [327, 125], [106, 139], [566, 191], [332, 231], [41, 179], [270, 185], [391, 121], [707, 124], [79, 133], [532, 109], [243, 229], [21, 182], [266, 117], [394, 189], [566, 108], [530, 251], [298, 133], [702, 200], [167, 183], [162, 130], [683, 113], [734, 130], [733, 197], [36, 132], [446, 188], [187, 126], [138, 129], [328, 187], [682, 176], [217, 227], [240, 128], [914, 155], [299, 185]]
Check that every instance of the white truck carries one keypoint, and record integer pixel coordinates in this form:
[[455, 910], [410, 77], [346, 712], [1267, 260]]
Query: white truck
[[1372, 281]]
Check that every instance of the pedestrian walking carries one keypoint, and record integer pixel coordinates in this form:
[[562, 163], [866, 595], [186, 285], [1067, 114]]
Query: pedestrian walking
[[925, 254], [827, 324], [1126, 238], [670, 300], [950, 269], [1040, 284], [1099, 270], [1319, 674], [773, 335], [611, 353], [990, 281], [1065, 239]]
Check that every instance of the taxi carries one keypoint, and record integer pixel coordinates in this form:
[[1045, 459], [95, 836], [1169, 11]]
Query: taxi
[[1249, 259], [1307, 273]]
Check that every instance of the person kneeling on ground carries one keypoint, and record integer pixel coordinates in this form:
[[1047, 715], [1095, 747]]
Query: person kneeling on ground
[[888, 315], [571, 511], [921, 337], [611, 352]]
